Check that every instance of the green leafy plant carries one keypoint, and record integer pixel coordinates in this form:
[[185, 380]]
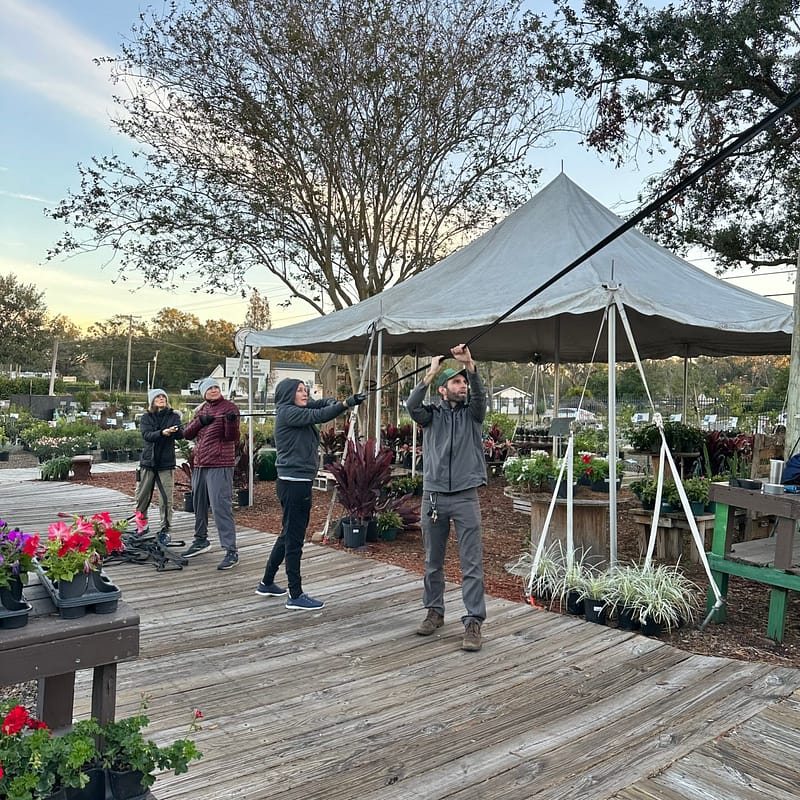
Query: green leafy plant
[[125, 748], [34, 763], [545, 583], [697, 489], [386, 520], [56, 469], [406, 484], [529, 473], [645, 489]]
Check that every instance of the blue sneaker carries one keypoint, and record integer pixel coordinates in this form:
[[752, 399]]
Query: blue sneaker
[[270, 590], [303, 603]]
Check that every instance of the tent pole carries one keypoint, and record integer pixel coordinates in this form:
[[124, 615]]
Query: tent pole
[[414, 424], [556, 378], [612, 432], [685, 416], [378, 393], [250, 476]]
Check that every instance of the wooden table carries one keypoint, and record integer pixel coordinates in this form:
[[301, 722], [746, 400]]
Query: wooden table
[[674, 533], [774, 561], [50, 650]]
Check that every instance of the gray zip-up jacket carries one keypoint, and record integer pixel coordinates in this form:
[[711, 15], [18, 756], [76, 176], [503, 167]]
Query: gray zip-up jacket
[[296, 432], [452, 444]]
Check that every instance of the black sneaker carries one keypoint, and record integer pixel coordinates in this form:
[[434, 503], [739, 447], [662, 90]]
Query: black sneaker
[[270, 590], [231, 560], [196, 547], [163, 538]]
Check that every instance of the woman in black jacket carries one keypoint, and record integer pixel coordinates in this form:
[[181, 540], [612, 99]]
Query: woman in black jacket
[[160, 427]]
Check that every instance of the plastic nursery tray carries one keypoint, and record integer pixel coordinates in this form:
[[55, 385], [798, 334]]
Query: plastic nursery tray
[[101, 597], [14, 619]]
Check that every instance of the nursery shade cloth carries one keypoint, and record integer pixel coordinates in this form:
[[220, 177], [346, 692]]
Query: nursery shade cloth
[[675, 309]]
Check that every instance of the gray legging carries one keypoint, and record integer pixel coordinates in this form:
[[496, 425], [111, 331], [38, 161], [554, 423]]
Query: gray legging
[[213, 487], [464, 510], [144, 493]]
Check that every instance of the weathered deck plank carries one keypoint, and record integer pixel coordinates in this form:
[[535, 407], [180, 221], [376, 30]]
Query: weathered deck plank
[[348, 702]]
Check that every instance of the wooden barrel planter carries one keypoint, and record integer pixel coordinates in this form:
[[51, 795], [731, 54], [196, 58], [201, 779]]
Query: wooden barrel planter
[[590, 525]]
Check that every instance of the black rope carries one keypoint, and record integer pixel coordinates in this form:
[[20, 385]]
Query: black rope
[[742, 139]]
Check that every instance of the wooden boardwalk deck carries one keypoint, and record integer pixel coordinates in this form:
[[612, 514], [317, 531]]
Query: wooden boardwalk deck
[[348, 702]]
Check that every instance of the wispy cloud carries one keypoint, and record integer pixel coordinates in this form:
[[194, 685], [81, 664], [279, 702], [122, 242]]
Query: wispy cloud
[[46, 54], [32, 197]]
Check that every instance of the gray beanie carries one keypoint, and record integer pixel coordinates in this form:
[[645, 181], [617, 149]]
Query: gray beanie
[[153, 393], [205, 385]]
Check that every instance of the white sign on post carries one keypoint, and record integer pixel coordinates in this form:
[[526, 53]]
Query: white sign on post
[[260, 367]]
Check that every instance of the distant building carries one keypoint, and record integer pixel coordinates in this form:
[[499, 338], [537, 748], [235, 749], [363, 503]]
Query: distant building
[[293, 369], [510, 400]]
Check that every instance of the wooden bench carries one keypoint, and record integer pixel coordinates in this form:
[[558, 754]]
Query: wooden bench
[[50, 650], [774, 561]]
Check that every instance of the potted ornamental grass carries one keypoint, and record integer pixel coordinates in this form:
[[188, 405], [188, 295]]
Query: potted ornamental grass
[[543, 584], [595, 589], [654, 598]]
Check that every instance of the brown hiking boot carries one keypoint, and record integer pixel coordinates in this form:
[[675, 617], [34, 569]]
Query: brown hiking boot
[[433, 621], [472, 636]]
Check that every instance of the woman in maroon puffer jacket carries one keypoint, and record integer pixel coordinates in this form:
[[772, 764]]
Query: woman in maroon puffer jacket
[[216, 429]]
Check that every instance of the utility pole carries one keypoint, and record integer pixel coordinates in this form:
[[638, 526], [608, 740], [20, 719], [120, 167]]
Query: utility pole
[[130, 338], [51, 391], [111, 376], [155, 362]]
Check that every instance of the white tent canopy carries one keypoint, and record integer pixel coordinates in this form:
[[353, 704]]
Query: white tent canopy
[[675, 308]]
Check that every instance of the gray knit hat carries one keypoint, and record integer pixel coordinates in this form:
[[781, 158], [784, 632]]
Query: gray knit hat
[[205, 385], [153, 393]]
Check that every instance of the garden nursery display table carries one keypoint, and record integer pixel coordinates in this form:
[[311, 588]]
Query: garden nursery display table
[[51, 649], [774, 561]]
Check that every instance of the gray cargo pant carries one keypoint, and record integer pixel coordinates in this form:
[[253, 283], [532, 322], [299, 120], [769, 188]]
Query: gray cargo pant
[[213, 487], [463, 509]]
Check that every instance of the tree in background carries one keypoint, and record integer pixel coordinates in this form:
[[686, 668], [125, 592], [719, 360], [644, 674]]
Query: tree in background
[[683, 79], [342, 146], [24, 335], [258, 316]]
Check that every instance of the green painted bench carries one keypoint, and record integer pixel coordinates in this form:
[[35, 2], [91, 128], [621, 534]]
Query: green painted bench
[[774, 561]]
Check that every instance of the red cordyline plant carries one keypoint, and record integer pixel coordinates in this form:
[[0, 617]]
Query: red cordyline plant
[[360, 478], [80, 546]]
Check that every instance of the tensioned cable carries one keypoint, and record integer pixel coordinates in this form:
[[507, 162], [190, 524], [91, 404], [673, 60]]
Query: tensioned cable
[[741, 139]]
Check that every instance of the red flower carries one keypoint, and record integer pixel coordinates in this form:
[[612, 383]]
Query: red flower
[[31, 545], [113, 540], [15, 720]]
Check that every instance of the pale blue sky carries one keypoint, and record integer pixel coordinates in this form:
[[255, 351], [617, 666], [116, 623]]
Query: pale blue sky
[[55, 104]]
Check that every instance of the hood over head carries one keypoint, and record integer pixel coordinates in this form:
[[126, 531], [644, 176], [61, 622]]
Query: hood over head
[[285, 391]]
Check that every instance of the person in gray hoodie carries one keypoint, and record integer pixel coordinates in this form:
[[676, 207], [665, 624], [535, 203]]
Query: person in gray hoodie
[[453, 468], [297, 445]]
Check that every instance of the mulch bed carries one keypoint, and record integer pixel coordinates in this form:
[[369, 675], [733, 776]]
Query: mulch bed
[[506, 536]]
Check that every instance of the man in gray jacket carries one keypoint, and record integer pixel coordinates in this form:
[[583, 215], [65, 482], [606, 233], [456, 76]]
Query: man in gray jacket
[[453, 469]]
